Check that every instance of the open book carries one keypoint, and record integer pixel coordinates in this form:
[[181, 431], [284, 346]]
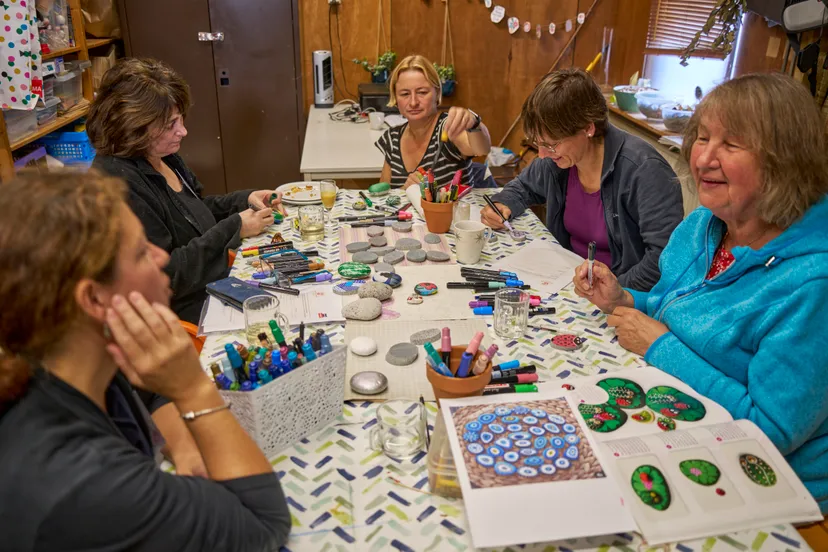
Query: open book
[[635, 450]]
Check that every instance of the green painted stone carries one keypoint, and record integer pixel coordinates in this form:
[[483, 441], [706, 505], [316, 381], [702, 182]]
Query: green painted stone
[[359, 206], [354, 271], [757, 470], [700, 471], [651, 487], [380, 188], [603, 418], [393, 201]]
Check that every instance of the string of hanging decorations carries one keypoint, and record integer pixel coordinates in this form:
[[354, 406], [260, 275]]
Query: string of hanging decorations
[[513, 23]]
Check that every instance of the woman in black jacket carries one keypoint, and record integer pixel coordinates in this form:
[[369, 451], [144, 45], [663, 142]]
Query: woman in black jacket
[[136, 124], [84, 316]]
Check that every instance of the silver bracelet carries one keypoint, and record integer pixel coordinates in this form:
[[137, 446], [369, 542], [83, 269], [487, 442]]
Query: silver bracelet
[[192, 415]]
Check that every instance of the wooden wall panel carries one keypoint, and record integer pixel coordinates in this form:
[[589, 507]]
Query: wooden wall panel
[[761, 48]]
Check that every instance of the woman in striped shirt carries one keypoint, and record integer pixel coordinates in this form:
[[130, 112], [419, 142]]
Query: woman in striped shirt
[[416, 91]]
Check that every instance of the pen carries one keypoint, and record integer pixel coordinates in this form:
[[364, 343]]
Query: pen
[[367, 201], [464, 270], [528, 369], [445, 346], [437, 363], [544, 328], [278, 336], [496, 210], [517, 378], [471, 350], [545, 310], [501, 388], [301, 331], [280, 289], [425, 423], [480, 364], [590, 261]]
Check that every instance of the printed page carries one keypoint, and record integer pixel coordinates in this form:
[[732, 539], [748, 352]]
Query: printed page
[[529, 471], [544, 265], [706, 481]]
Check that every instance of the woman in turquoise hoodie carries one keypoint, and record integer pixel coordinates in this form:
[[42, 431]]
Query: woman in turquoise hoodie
[[741, 310]]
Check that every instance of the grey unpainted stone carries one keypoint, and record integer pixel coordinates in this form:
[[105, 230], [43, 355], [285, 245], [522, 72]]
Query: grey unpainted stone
[[377, 290], [382, 250], [363, 309], [379, 241], [374, 231], [433, 239], [437, 256], [402, 226], [394, 257], [357, 247], [383, 267], [402, 354], [406, 244], [416, 256], [425, 336], [366, 257]]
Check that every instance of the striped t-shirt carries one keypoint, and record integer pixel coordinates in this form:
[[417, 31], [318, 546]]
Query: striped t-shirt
[[451, 160]]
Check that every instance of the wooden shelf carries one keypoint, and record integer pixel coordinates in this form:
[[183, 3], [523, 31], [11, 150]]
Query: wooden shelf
[[655, 128], [72, 115], [58, 53], [98, 42]]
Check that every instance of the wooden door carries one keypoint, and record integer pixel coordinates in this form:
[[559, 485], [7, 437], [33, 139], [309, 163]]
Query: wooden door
[[258, 83], [168, 30]]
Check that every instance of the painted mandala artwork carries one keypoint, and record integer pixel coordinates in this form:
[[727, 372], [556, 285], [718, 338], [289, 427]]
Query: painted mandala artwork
[[672, 403], [603, 418], [623, 393], [527, 442], [700, 471], [651, 487], [757, 470]]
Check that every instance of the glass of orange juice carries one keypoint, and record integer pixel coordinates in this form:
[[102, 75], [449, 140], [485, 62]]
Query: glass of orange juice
[[327, 190]]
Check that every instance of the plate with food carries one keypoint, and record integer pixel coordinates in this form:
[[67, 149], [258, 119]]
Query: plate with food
[[300, 193]]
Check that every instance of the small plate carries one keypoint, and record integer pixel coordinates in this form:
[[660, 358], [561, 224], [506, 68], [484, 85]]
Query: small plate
[[301, 193]]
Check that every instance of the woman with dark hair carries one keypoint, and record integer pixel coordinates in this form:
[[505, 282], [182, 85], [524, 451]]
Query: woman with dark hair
[[84, 319], [599, 183], [136, 124]]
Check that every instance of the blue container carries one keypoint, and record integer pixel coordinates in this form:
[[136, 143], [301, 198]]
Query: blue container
[[380, 78], [71, 148], [448, 87]]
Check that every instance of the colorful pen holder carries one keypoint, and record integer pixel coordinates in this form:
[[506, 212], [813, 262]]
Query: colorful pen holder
[[453, 388], [293, 406], [438, 216]]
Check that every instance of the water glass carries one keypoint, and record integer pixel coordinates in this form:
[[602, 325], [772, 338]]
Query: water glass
[[312, 223], [511, 313], [400, 429], [259, 310]]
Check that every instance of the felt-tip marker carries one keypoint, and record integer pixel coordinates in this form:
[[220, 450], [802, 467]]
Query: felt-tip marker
[[502, 388], [590, 261], [471, 350], [529, 369], [445, 346], [519, 378], [439, 366]]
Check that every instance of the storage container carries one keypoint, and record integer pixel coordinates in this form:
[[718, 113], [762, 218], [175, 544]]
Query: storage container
[[71, 148], [47, 111], [68, 90], [19, 123], [48, 88], [442, 473]]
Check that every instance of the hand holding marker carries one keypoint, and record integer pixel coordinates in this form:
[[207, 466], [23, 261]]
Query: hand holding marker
[[591, 261]]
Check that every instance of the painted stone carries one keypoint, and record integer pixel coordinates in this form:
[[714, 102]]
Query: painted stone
[[567, 342], [369, 382], [359, 206], [700, 471], [666, 424], [672, 403], [425, 288], [393, 201], [651, 487], [623, 393], [645, 417], [388, 278], [348, 288], [414, 300], [757, 470], [603, 418], [354, 271]]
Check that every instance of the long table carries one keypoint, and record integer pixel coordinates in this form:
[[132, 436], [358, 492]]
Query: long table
[[345, 496]]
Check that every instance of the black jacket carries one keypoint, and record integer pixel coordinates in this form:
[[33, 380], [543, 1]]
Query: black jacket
[[70, 480], [642, 204], [198, 252]]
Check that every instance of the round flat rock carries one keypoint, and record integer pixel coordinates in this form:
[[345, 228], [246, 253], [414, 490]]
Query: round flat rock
[[433, 239], [422, 337], [425, 288], [416, 256], [402, 354], [363, 309], [348, 288], [377, 290], [414, 300], [518, 235], [394, 257], [388, 278], [366, 257], [356, 247], [383, 267], [493, 238], [393, 201], [436, 256], [369, 383], [354, 271], [363, 346], [375, 231], [382, 250], [402, 226], [359, 206], [378, 241], [407, 244]]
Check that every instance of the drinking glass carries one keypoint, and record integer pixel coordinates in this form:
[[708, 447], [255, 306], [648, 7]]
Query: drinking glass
[[400, 431], [511, 313], [327, 190], [311, 223], [259, 310]]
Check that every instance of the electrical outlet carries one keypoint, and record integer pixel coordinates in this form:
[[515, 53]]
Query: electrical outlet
[[334, 2]]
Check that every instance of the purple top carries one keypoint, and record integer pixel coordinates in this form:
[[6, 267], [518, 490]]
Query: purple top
[[584, 220]]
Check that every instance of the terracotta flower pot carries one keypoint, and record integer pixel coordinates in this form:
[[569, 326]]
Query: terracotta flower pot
[[453, 388], [438, 216]]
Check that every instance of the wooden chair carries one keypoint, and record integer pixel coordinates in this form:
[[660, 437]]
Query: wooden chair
[[192, 329], [816, 534], [231, 257]]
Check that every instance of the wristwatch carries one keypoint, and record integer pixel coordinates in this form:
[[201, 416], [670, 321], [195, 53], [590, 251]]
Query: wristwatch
[[476, 126]]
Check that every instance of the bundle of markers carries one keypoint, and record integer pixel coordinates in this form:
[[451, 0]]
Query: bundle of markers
[[246, 369], [441, 194], [482, 281], [511, 377], [280, 266]]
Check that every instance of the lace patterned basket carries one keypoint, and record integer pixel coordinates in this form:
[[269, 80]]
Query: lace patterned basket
[[293, 406]]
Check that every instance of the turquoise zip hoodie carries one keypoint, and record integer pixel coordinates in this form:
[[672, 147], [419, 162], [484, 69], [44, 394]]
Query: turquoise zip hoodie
[[754, 338]]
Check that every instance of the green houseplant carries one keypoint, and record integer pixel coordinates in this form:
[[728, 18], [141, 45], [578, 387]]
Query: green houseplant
[[379, 71], [729, 14], [447, 78]]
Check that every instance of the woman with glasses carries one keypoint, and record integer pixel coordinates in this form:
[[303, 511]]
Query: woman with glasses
[[599, 183]]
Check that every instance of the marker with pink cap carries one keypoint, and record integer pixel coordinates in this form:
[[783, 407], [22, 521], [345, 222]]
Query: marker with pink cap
[[471, 350]]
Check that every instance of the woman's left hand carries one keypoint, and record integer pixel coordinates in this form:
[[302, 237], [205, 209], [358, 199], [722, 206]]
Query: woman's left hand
[[260, 199], [635, 330], [459, 120]]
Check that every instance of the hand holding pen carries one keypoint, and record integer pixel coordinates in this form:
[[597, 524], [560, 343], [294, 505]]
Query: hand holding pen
[[605, 292], [590, 260], [495, 215]]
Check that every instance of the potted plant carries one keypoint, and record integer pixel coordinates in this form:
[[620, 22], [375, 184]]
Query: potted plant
[[729, 14], [379, 71], [447, 78]]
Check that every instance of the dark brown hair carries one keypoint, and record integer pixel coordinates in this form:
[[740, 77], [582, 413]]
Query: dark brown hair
[[563, 104], [136, 99], [780, 123], [68, 230]]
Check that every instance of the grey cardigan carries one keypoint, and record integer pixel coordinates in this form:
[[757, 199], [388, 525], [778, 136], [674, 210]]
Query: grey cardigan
[[642, 204]]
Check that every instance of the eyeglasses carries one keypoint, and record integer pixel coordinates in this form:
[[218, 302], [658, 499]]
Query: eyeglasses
[[547, 147]]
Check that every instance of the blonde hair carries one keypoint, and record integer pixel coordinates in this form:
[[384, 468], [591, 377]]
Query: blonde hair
[[415, 63], [563, 104], [779, 122]]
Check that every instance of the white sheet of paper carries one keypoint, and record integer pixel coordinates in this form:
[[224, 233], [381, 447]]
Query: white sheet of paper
[[555, 509], [544, 265], [404, 382], [221, 317]]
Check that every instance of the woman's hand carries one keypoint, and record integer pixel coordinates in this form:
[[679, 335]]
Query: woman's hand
[[255, 222], [605, 292], [152, 349], [459, 120], [635, 330], [412, 180], [260, 199], [492, 219]]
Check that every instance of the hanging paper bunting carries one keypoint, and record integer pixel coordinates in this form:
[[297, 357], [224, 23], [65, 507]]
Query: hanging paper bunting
[[488, 4], [568, 25], [552, 28], [581, 18], [538, 31], [514, 25], [498, 13], [527, 26]]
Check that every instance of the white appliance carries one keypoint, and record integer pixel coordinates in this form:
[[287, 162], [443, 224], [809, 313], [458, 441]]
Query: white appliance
[[804, 16], [323, 87]]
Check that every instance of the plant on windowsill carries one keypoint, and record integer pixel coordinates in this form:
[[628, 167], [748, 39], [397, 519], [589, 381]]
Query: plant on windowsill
[[447, 78], [729, 14], [380, 70]]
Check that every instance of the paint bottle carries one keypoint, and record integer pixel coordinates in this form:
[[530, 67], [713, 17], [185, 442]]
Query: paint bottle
[[308, 352], [293, 360], [326, 344], [264, 377]]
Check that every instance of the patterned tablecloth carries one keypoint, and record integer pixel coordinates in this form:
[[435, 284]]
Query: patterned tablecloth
[[345, 496]]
